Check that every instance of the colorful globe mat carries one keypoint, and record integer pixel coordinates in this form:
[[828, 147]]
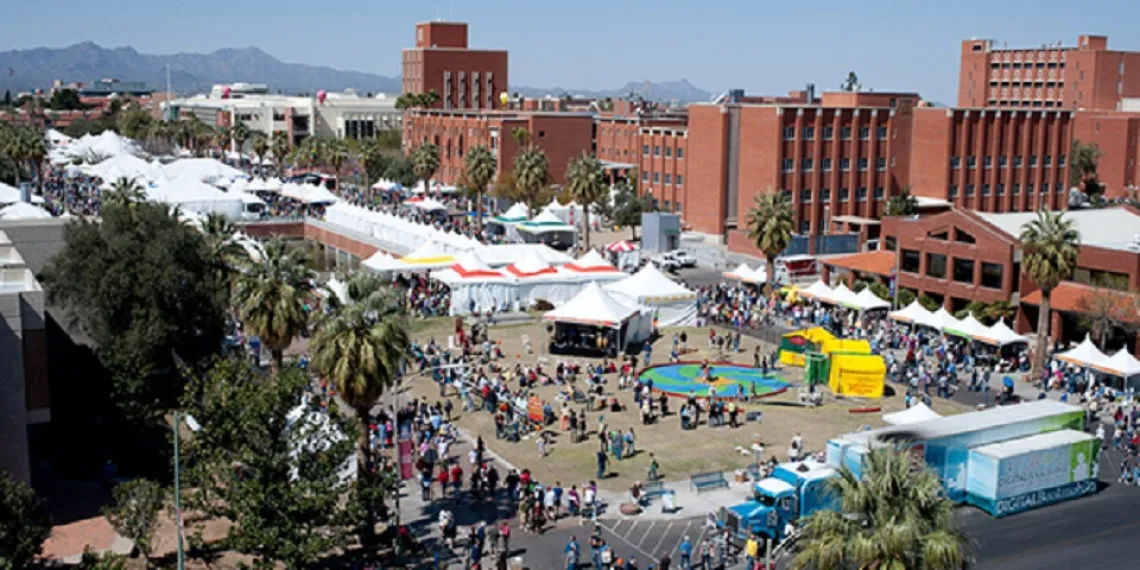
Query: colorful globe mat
[[731, 380]]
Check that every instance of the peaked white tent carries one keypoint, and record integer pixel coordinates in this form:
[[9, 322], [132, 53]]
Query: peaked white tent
[[841, 295], [339, 289], [1123, 364], [917, 413], [741, 272], [308, 193], [868, 301], [125, 166], [1000, 334], [1086, 354], [545, 222], [593, 306], [204, 169], [817, 290], [23, 211], [476, 287], [913, 313], [673, 304], [592, 262], [11, 195], [196, 196], [107, 143], [426, 204], [968, 327]]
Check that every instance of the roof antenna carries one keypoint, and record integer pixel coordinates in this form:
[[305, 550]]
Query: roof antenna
[[437, 18]]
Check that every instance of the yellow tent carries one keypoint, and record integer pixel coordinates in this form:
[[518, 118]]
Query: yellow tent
[[793, 345], [847, 345], [858, 375]]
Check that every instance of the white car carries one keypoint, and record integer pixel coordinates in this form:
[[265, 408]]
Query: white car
[[683, 258]]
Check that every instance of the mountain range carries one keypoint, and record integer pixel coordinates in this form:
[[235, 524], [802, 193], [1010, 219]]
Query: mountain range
[[37, 68]]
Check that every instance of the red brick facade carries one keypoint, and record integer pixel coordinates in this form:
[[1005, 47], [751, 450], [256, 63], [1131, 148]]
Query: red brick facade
[[441, 62]]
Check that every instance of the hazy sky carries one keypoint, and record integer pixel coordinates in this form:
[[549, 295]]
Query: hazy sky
[[763, 47]]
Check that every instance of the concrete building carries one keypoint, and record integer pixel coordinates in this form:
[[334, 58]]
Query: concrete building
[[107, 87], [340, 115], [464, 78], [1085, 76]]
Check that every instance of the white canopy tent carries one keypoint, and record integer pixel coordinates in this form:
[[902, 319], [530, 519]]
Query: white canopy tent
[[427, 205], [11, 195], [741, 272], [23, 211], [1086, 355], [204, 169], [475, 286], [592, 262], [196, 196], [427, 257], [108, 143], [673, 303], [917, 413], [913, 313], [1000, 334], [125, 166], [545, 222], [593, 306], [968, 327], [308, 193], [1123, 364], [818, 290], [868, 301]]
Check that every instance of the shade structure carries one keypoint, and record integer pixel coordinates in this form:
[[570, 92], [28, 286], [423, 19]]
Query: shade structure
[[868, 301], [841, 295], [23, 211], [530, 266], [1086, 354], [476, 287], [913, 313], [968, 327], [942, 320], [591, 262], [11, 195], [339, 289], [621, 246], [125, 166], [308, 193], [593, 306], [1122, 364], [426, 204], [817, 290], [425, 258], [196, 196], [545, 222], [501, 255], [741, 272], [205, 169], [999, 334], [673, 304], [515, 214], [917, 413]]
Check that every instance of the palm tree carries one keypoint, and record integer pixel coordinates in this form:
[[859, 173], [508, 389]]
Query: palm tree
[[586, 183], [521, 136], [361, 348], [770, 227], [425, 161], [1049, 245], [478, 172], [240, 133], [532, 174], [226, 252], [125, 192], [903, 204], [259, 144], [429, 99], [271, 298], [280, 145], [337, 153], [895, 516]]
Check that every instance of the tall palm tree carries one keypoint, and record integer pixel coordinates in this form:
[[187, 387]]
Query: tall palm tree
[[425, 162], [125, 192], [336, 152], [586, 182], [893, 517], [429, 99], [280, 145], [521, 136], [532, 174], [361, 348], [271, 298], [1049, 245], [770, 227], [478, 172], [240, 133], [259, 144], [226, 252]]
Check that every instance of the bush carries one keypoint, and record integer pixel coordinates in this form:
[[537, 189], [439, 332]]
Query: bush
[[858, 286], [543, 305], [929, 303], [906, 297], [881, 291]]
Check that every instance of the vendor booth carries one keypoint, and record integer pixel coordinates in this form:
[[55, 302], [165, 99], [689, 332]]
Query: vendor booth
[[672, 304], [504, 225], [626, 254], [857, 375], [794, 345], [596, 322], [546, 228], [536, 280], [917, 413], [425, 258], [476, 287]]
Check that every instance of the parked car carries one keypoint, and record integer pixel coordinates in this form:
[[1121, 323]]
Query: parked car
[[665, 262], [682, 257]]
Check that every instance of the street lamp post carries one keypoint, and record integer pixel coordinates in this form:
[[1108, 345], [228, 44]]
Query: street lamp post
[[193, 425]]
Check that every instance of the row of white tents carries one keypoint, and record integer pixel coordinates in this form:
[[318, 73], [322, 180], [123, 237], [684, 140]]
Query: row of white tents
[[998, 334], [864, 300], [400, 234], [1087, 355]]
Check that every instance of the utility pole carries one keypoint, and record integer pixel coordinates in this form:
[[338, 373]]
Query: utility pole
[[178, 496]]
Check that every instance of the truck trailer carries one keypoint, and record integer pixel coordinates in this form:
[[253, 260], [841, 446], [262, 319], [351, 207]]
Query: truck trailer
[[1021, 474]]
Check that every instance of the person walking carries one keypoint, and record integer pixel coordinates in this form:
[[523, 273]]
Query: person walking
[[686, 552], [571, 551], [751, 551], [601, 458]]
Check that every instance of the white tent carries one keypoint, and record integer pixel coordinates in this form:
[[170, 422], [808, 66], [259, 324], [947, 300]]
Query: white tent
[[869, 301], [913, 313], [204, 169], [593, 306], [917, 413], [545, 222], [57, 138], [338, 288], [674, 304], [1085, 354], [108, 143], [308, 193], [968, 327], [1122, 364], [741, 273], [999, 334], [518, 212], [818, 290], [841, 295], [506, 254], [196, 196], [475, 286], [11, 195], [125, 166], [264, 185], [427, 205], [23, 211], [425, 258], [591, 262]]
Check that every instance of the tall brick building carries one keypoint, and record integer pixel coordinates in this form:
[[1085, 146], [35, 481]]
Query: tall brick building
[[464, 78]]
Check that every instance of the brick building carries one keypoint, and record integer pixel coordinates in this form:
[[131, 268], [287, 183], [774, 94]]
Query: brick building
[[1085, 76], [464, 78], [1117, 134]]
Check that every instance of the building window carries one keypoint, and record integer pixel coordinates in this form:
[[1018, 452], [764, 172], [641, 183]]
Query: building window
[[985, 190], [969, 190], [828, 133], [1044, 188], [1059, 188], [864, 133], [677, 205], [1032, 160], [1017, 161], [955, 162], [1047, 161], [844, 164], [809, 133], [964, 270], [991, 275], [1101, 278], [807, 165], [680, 153], [786, 195], [845, 133], [971, 161], [861, 194], [825, 164], [656, 177], [645, 150], [805, 226], [825, 195], [668, 178], [789, 133], [909, 261], [680, 180], [879, 194], [656, 151], [881, 163], [1061, 158], [789, 164], [668, 152], [1029, 189], [645, 176], [953, 192], [963, 237], [1000, 189], [667, 206], [987, 161], [844, 194], [936, 265], [881, 133], [805, 195], [1016, 190], [863, 162]]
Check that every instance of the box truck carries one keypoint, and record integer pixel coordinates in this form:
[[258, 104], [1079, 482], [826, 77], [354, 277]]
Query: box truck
[[1021, 474]]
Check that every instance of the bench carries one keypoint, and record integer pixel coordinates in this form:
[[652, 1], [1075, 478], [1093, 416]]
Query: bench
[[653, 489], [710, 480]]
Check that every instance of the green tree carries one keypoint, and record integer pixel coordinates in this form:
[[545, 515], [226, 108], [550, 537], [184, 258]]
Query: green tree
[[425, 162], [280, 145], [881, 291], [521, 136], [906, 297], [770, 227], [586, 184], [902, 204], [66, 100], [1049, 245], [125, 193], [628, 207], [259, 144], [135, 512], [269, 463], [228, 255], [389, 139], [106, 561], [271, 297], [142, 285], [24, 524], [1083, 160], [975, 308], [1000, 311], [858, 286], [928, 302], [430, 99], [239, 134], [135, 123], [531, 175], [1106, 309], [851, 83], [361, 348], [895, 516], [337, 154], [478, 171]]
